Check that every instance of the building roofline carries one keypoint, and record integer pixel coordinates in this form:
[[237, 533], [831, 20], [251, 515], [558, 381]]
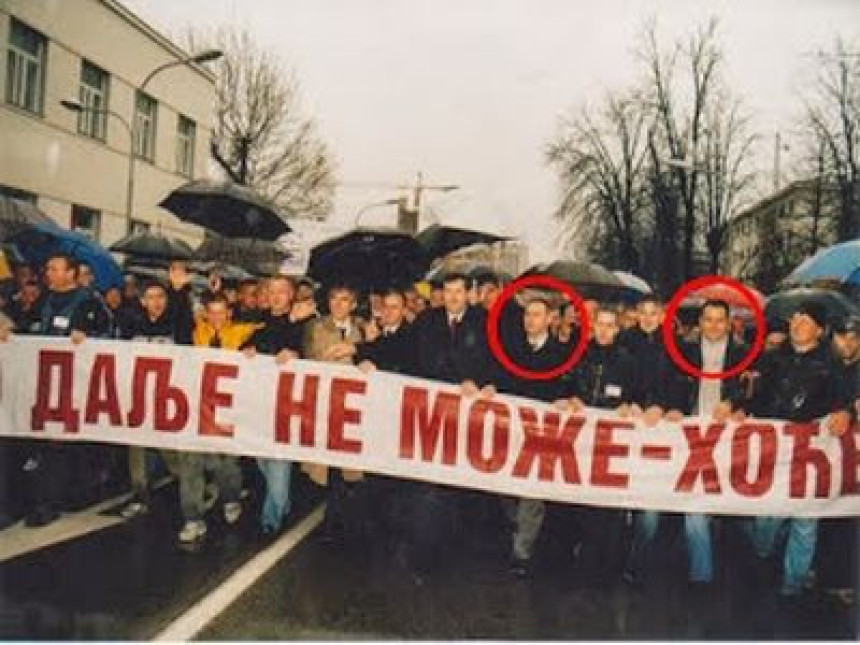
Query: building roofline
[[773, 197], [148, 30]]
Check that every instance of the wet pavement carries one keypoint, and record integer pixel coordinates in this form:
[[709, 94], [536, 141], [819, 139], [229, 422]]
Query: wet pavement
[[130, 581]]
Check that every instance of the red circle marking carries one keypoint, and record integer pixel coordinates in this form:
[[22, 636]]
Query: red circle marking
[[493, 327], [672, 308]]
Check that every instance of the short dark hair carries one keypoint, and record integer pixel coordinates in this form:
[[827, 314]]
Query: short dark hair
[[651, 299], [249, 282], [716, 303], [70, 260], [341, 286], [602, 309], [153, 284], [540, 300], [488, 278], [214, 298], [455, 276], [393, 291]]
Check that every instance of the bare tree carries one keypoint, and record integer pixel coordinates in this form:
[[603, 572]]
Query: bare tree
[[680, 103], [727, 175], [599, 158], [832, 127], [262, 136]]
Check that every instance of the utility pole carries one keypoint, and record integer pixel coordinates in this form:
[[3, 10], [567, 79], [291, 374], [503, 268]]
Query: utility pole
[[778, 147], [408, 218]]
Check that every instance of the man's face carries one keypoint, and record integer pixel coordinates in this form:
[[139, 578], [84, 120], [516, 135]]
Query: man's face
[[217, 315], [23, 274], [629, 319], [650, 316], [437, 298], [847, 345], [455, 296], [85, 276], [605, 327], [375, 303], [59, 275], [393, 310], [154, 302], [591, 307], [248, 296], [568, 320], [341, 303], [537, 319], [280, 295], [304, 293], [714, 323], [113, 298], [803, 330], [29, 294], [488, 293], [130, 288], [412, 300]]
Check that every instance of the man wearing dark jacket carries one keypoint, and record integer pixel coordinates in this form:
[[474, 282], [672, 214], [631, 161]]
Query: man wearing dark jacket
[[801, 381], [157, 323], [280, 336], [537, 351], [605, 379], [392, 348]]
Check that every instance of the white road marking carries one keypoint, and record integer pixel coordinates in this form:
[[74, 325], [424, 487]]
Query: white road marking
[[192, 622], [20, 539]]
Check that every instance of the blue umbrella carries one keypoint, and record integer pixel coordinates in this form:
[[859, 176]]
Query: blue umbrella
[[37, 243], [840, 263]]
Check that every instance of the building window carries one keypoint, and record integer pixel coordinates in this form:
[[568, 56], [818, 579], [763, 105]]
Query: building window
[[25, 68], [17, 193], [86, 221], [186, 132], [145, 124], [92, 120], [138, 226]]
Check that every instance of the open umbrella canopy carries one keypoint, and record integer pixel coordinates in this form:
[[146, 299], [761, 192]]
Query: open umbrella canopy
[[259, 256], [783, 304], [734, 298], [368, 258], [633, 282], [589, 279], [152, 246], [438, 240], [39, 242], [161, 274], [17, 215], [839, 263], [226, 208]]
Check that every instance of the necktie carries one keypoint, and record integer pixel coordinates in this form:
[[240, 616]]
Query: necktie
[[216, 341]]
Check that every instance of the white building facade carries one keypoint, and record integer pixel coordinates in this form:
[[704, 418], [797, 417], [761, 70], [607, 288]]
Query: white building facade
[[75, 164]]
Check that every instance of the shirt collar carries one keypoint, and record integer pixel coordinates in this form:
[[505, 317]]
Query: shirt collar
[[539, 342]]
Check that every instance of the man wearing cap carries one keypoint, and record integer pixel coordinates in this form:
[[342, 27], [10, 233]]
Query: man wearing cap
[[802, 382]]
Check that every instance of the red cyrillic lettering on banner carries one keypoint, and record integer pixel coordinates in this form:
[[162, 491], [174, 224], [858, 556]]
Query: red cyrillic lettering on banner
[[803, 455], [288, 407], [163, 395], [850, 461], [64, 412], [339, 415], [211, 398], [604, 450], [742, 458], [102, 396], [548, 444], [500, 436], [441, 423], [701, 460]]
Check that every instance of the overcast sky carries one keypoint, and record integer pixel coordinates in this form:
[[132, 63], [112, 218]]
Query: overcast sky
[[469, 91]]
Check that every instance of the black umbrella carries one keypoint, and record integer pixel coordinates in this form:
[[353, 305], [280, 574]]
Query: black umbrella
[[260, 256], [368, 258], [227, 209], [17, 215], [438, 241], [153, 246], [228, 272], [783, 304], [589, 279]]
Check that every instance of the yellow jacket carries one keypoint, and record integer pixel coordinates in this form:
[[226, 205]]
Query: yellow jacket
[[232, 336]]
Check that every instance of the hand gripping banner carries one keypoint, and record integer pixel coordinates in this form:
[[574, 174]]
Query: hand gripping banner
[[207, 400]]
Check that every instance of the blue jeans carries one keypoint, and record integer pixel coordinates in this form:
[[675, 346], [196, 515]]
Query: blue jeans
[[698, 531], [799, 551], [277, 504]]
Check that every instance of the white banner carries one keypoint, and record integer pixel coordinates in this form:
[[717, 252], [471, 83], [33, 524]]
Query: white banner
[[220, 401]]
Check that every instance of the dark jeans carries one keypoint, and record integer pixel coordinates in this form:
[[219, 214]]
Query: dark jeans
[[603, 536], [837, 563]]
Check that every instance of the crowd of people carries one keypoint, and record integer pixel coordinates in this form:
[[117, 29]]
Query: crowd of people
[[810, 370]]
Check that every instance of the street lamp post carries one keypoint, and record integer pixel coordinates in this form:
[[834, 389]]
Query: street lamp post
[[74, 106], [367, 207]]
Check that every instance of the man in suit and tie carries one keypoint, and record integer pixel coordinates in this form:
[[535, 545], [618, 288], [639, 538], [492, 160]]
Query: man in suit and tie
[[335, 338]]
